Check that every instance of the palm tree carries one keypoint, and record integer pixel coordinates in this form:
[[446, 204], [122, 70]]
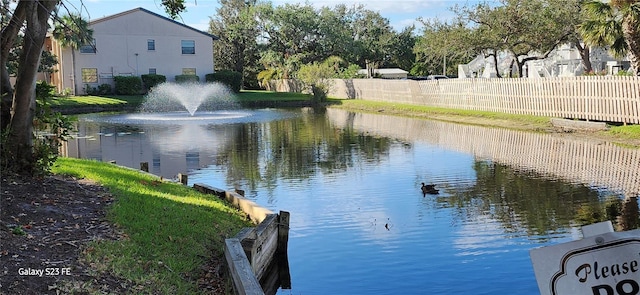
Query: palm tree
[[73, 31], [615, 24]]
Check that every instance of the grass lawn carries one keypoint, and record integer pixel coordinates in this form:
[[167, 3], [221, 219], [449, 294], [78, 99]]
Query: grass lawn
[[91, 100], [258, 95], [170, 229]]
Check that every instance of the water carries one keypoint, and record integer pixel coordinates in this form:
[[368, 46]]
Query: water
[[190, 97], [359, 223]]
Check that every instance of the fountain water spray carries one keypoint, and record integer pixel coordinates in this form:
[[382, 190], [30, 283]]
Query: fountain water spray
[[190, 96]]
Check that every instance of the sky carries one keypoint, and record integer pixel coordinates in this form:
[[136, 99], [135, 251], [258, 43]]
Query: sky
[[401, 13]]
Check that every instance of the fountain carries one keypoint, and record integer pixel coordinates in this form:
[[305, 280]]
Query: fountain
[[190, 104], [190, 96]]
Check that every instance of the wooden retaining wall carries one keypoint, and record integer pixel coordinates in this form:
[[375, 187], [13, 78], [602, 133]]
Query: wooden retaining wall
[[256, 256], [596, 98]]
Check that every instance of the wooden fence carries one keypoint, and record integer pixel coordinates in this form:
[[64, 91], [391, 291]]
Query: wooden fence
[[594, 98]]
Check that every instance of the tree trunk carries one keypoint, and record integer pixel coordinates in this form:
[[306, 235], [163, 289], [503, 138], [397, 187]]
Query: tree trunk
[[9, 35], [21, 126], [495, 64], [631, 31], [585, 53]]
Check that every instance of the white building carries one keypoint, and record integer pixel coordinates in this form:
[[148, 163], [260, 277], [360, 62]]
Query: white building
[[133, 43], [564, 61]]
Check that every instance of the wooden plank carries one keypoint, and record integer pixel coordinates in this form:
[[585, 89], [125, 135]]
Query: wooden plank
[[265, 245], [283, 232], [244, 281], [207, 189]]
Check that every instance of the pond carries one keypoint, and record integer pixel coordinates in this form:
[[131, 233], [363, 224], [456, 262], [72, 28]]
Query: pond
[[351, 181]]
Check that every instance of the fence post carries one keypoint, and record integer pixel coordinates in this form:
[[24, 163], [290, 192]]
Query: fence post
[[283, 232], [183, 178]]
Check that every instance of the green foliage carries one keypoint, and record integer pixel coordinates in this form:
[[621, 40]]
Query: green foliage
[[442, 45], [52, 128], [151, 80], [315, 76], [173, 7], [519, 27], [128, 85], [73, 31], [614, 25], [267, 75], [230, 78], [236, 22], [102, 89], [47, 59], [187, 78]]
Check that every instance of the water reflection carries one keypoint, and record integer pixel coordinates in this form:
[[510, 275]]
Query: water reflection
[[579, 160], [352, 182]]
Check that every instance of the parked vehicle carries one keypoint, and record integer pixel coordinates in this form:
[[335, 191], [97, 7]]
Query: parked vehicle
[[436, 77]]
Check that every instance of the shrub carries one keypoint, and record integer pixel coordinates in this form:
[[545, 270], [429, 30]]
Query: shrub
[[128, 85], [232, 79], [51, 130], [104, 89], [316, 77], [187, 78], [151, 80]]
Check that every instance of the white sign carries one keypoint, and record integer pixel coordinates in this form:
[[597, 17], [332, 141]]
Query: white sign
[[604, 264]]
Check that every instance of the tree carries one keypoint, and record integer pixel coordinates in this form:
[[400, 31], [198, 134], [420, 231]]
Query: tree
[[614, 24], [526, 29], [17, 108], [374, 39], [316, 76], [441, 42], [73, 31], [237, 49], [19, 145]]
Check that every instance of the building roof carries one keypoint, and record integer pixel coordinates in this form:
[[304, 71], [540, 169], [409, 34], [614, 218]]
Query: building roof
[[106, 18]]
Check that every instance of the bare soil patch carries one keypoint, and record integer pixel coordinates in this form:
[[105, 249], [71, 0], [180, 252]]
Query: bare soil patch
[[45, 226]]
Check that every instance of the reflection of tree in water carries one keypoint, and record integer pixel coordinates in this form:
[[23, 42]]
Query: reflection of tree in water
[[525, 201], [623, 213], [296, 150]]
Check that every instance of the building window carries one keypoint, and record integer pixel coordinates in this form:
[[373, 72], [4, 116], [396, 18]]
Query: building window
[[188, 71], [88, 48], [152, 71], [89, 75], [151, 45], [188, 47]]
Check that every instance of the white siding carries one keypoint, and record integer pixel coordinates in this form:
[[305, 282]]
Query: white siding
[[121, 48]]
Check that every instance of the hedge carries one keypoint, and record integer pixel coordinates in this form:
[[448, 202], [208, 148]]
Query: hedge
[[187, 78], [230, 78], [151, 80], [128, 85]]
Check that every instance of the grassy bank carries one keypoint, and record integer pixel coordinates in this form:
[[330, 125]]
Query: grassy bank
[[434, 112], [170, 230]]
